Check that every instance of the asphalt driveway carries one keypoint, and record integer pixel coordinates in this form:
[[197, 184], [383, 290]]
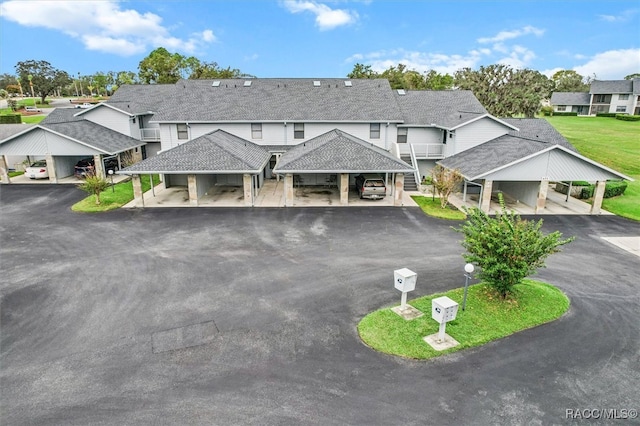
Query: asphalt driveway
[[248, 316]]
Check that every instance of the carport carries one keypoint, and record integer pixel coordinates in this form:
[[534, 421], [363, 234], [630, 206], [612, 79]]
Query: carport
[[217, 162], [62, 140], [523, 171], [334, 159]]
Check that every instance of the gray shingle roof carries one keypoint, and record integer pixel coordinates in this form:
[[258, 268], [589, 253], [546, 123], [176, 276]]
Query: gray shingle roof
[[63, 121], [339, 152], [445, 108], [535, 135], [215, 152], [8, 130], [611, 86], [140, 98], [570, 98], [280, 99]]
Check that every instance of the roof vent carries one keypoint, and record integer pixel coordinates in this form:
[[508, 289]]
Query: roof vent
[[247, 83], [216, 83], [401, 92], [316, 83], [348, 83]]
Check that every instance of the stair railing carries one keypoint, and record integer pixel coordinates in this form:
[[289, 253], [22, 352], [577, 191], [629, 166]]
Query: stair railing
[[414, 164]]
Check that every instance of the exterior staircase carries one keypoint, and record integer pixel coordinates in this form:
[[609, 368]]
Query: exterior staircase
[[410, 183]]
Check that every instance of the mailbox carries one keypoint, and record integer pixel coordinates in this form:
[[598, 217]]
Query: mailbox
[[443, 309], [405, 279]]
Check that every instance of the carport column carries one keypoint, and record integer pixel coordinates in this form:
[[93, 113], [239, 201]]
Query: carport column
[[344, 189], [4, 170], [542, 195], [486, 196], [248, 190], [137, 191], [193, 190], [288, 190], [51, 168], [399, 192], [99, 166], [597, 197]]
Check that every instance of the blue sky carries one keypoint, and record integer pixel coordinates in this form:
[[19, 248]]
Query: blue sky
[[303, 38]]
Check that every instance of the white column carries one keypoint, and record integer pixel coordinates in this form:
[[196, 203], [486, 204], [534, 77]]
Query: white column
[[247, 183], [399, 190], [344, 189], [51, 168], [98, 166], [542, 195], [288, 190], [4, 170], [598, 196], [193, 190], [486, 196], [137, 191]]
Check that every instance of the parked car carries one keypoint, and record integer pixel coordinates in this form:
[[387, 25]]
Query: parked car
[[86, 166], [84, 105], [371, 186], [37, 170], [32, 109]]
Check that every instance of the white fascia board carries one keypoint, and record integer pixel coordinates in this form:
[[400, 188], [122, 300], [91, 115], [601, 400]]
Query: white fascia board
[[28, 129], [485, 116], [277, 121], [284, 172], [188, 172], [551, 148], [46, 129]]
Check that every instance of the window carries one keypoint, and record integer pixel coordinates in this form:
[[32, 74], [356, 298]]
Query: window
[[374, 131], [402, 134], [256, 130], [298, 130], [621, 108], [183, 131], [562, 108], [624, 97], [600, 99]]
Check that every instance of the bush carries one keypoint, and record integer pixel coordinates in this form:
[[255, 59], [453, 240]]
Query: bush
[[606, 114], [10, 119], [625, 117], [613, 188], [565, 114], [547, 111]]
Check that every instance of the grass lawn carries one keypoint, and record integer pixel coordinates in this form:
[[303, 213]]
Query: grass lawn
[[113, 198], [614, 143], [486, 318], [432, 208]]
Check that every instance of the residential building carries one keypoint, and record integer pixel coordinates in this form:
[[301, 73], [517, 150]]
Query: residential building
[[604, 96]]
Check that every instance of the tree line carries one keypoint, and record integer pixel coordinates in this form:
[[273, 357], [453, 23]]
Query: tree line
[[501, 89]]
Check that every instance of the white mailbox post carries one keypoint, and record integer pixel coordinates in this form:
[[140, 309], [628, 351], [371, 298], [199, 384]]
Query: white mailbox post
[[443, 310], [405, 281]]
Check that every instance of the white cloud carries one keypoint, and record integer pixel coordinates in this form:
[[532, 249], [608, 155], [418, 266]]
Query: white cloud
[[519, 57], [611, 65], [102, 25], [623, 17], [326, 18], [419, 61], [508, 35]]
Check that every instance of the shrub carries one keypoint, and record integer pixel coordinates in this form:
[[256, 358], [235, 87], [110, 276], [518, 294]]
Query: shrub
[[547, 110], [606, 114], [625, 117], [613, 188], [566, 114], [10, 119]]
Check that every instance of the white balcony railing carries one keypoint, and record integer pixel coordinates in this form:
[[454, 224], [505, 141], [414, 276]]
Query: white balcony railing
[[428, 151], [151, 134]]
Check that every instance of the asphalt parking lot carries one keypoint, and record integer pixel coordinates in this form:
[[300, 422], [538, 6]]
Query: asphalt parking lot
[[248, 316]]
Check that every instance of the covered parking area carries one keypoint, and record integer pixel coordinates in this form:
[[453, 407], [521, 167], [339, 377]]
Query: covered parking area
[[330, 163], [215, 168], [527, 180], [62, 144]]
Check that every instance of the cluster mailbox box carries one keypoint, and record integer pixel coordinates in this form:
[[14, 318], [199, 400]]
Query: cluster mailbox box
[[443, 309], [405, 279]]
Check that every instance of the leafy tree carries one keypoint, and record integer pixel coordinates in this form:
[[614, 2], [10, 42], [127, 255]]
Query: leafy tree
[[161, 67], [208, 70], [7, 80], [400, 77], [4, 94], [569, 81], [632, 76], [94, 184], [503, 91], [436, 81], [13, 89], [444, 182], [362, 71], [44, 77], [506, 247]]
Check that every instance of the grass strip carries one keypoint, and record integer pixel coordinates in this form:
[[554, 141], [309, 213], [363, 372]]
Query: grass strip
[[113, 197], [432, 207], [485, 319]]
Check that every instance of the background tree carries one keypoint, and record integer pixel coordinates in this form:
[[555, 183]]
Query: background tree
[[506, 247], [503, 91], [444, 182], [161, 67], [436, 81], [362, 71], [569, 81], [8, 80], [45, 78], [632, 76], [400, 77]]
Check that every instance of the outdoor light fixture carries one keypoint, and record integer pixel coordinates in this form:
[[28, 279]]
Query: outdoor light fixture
[[111, 174], [468, 269]]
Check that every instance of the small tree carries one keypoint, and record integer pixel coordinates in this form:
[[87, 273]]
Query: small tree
[[506, 247], [94, 184], [444, 182]]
